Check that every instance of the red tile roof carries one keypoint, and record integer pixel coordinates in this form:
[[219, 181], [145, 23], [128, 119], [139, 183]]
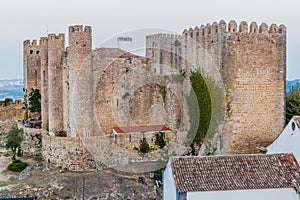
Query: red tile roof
[[135, 129], [238, 172]]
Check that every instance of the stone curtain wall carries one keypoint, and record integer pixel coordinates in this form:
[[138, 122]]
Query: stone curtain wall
[[12, 112], [251, 63], [32, 143], [67, 152]]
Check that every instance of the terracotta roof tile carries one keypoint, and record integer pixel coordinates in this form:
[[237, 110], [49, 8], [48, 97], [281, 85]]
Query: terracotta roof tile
[[135, 129], [237, 172]]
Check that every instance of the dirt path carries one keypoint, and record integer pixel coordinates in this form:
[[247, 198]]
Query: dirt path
[[4, 174]]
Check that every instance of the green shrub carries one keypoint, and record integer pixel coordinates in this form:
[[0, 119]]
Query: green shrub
[[144, 146], [14, 139], [17, 166], [35, 101], [159, 139], [7, 101], [292, 103]]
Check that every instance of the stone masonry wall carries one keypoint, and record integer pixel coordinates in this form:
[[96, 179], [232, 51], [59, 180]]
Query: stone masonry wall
[[32, 66], [12, 112], [250, 62], [67, 152], [44, 83], [56, 47], [80, 81], [256, 87], [32, 143]]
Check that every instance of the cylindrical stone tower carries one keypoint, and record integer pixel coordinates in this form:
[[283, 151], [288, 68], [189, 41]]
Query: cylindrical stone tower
[[32, 69], [56, 46], [44, 82], [66, 89], [81, 81]]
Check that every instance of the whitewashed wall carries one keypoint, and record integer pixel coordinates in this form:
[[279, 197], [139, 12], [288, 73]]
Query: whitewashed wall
[[272, 194], [287, 142], [169, 187]]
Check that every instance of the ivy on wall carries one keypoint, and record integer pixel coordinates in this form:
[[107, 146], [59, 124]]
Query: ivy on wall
[[205, 114]]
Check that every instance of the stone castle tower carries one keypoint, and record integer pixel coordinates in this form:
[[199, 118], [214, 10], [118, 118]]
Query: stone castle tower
[[56, 48], [44, 82], [64, 78], [250, 61], [32, 67], [80, 80]]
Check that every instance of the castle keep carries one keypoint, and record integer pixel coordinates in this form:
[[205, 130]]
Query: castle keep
[[86, 92]]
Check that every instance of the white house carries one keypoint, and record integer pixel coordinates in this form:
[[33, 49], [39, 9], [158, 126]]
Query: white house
[[246, 177], [289, 140]]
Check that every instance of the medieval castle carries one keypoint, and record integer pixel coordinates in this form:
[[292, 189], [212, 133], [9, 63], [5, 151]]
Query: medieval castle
[[86, 92]]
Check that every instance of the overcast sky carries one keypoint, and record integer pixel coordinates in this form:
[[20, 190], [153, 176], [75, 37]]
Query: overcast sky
[[31, 19]]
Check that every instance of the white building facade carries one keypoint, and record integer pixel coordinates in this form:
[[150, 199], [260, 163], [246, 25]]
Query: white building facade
[[289, 140]]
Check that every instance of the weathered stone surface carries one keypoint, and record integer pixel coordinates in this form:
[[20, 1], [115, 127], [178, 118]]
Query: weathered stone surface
[[251, 66], [12, 112], [108, 87]]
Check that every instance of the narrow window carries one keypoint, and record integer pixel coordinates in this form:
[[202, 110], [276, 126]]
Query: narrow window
[[293, 126], [37, 52], [128, 61], [31, 51]]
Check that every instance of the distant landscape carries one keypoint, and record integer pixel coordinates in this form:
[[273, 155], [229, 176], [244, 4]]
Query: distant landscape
[[14, 88], [11, 89]]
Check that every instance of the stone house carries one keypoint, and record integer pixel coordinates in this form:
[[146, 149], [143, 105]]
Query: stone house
[[246, 177], [288, 140]]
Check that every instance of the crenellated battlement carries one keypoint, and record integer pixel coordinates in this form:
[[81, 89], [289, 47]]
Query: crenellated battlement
[[80, 29], [53, 36], [31, 43], [163, 35], [233, 27], [43, 41]]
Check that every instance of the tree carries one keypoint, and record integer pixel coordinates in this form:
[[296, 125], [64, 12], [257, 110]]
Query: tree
[[7, 101], [35, 101], [144, 146], [14, 139], [159, 139], [293, 102]]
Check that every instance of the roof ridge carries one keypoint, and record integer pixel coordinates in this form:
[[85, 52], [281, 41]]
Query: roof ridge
[[234, 155]]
